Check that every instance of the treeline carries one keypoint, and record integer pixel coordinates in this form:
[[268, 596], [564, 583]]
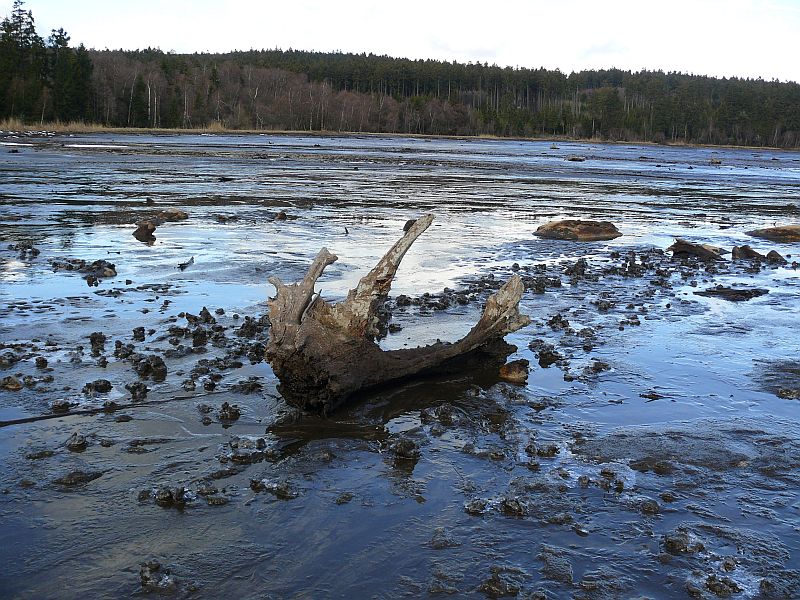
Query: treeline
[[297, 90], [42, 80]]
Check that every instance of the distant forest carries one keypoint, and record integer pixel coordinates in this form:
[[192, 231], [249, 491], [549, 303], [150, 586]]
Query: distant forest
[[43, 81]]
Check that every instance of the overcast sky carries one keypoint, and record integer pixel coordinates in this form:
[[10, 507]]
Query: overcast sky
[[745, 38]]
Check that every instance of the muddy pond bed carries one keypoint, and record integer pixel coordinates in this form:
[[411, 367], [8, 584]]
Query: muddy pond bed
[[654, 451]]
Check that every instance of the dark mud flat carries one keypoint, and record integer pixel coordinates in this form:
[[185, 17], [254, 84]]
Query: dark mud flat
[[654, 451]]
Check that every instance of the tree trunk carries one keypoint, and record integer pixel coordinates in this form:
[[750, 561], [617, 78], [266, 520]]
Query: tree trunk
[[324, 353]]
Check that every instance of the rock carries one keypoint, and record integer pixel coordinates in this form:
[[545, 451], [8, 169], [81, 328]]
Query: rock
[[247, 386], [733, 294], [150, 366], [98, 342], [101, 386], [76, 442], [172, 214], [775, 258], [41, 362], [683, 248], [577, 230], [746, 252], [475, 507], [229, 412], [138, 390], [678, 542], [575, 158], [548, 451], [199, 337], [97, 269], [344, 498], [60, 406], [789, 393], [515, 372], [75, 478], [785, 233], [144, 231], [10, 384], [155, 578], [281, 490], [138, 334], [649, 507], [512, 507], [405, 449], [547, 355], [167, 497], [7, 359], [723, 587]]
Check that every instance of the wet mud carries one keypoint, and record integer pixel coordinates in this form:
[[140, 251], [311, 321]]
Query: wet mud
[[644, 442]]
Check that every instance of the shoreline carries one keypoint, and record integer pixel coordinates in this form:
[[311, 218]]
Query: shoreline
[[51, 129]]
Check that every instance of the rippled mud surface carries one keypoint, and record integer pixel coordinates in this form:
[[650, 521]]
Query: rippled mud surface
[[654, 451]]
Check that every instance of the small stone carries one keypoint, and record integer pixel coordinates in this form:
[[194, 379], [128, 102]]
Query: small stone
[[76, 443], [155, 578], [512, 507], [475, 507], [229, 412], [344, 498], [515, 371], [679, 542], [138, 390], [10, 383], [728, 564], [548, 451], [649, 507], [59, 406], [723, 587], [668, 497], [406, 449], [97, 386]]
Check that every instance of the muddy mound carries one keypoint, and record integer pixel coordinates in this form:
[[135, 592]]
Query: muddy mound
[[578, 231], [785, 233]]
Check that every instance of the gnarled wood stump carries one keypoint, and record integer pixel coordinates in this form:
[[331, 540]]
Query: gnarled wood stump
[[323, 353]]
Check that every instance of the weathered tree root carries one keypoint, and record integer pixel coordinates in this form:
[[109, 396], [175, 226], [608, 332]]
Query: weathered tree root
[[323, 353]]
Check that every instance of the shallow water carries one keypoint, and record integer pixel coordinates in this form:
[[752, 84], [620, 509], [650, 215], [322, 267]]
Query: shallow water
[[713, 451]]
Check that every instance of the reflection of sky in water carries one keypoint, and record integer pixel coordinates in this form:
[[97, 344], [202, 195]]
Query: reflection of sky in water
[[488, 196]]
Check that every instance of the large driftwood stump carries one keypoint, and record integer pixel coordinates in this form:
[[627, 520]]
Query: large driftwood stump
[[323, 353]]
